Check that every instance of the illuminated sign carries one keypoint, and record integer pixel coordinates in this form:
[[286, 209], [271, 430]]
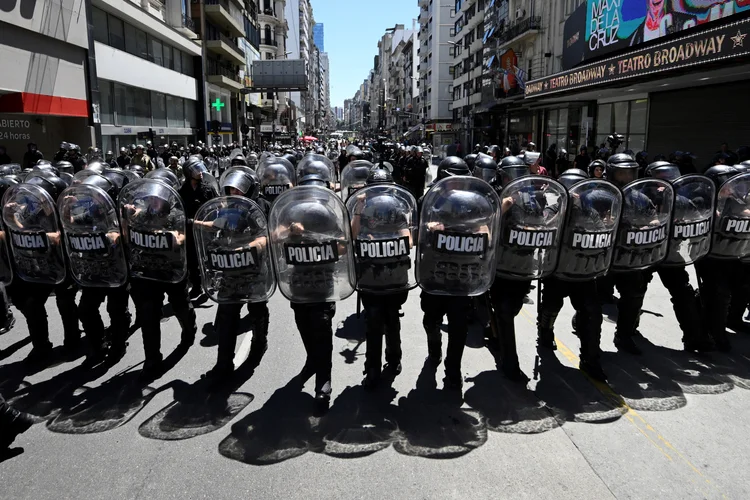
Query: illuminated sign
[[724, 42]]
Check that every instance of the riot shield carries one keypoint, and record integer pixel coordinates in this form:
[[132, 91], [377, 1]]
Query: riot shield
[[384, 231], [594, 208], [231, 236], [458, 237], [81, 175], [311, 244], [212, 165], [307, 159], [6, 269], [153, 224], [533, 213], [354, 177], [690, 236], [166, 176], [275, 178], [643, 235], [731, 234], [210, 181], [234, 154], [486, 174], [93, 240], [34, 235]]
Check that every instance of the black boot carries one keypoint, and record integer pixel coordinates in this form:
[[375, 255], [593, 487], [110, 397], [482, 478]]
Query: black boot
[[545, 330], [627, 344], [187, 321], [435, 344], [593, 369]]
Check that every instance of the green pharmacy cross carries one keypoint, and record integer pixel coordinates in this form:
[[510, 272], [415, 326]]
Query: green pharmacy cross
[[217, 104]]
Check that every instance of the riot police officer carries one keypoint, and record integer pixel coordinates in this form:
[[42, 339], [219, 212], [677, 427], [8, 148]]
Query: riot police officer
[[416, 171], [383, 232], [124, 159], [721, 270], [642, 242], [233, 221], [195, 191], [529, 243], [153, 222], [36, 243], [586, 251], [311, 245], [690, 240], [444, 292], [97, 261]]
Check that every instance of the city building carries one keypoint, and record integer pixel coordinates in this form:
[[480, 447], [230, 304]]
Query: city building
[[319, 36], [467, 50], [45, 95], [278, 114], [436, 27]]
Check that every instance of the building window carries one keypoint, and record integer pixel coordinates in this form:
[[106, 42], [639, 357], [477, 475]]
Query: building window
[[177, 60], [167, 50], [131, 46], [175, 112], [121, 106], [159, 109], [116, 33], [105, 101], [141, 42], [628, 118], [187, 64], [142, 99], [101, 33], [155, 53], [191, 119]]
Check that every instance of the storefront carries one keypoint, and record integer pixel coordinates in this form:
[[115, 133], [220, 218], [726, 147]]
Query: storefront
[[683, 91]]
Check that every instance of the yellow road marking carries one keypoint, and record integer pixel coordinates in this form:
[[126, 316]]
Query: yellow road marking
[[631, 415]]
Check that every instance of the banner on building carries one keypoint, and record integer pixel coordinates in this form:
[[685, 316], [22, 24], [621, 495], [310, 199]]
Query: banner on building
[[600, 27], [711, 45], [511, 80]]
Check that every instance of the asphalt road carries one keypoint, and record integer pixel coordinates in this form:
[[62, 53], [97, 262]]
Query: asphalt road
[[668, 425]]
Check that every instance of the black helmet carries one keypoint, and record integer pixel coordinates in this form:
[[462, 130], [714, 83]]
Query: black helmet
[[166, 176], [5, 184], [572, 176], [313, 179], [239, 160], [719, 174], [743, 167], [663, 170], [511, 167], [137, 169], [597, 163], [357, 153], [194, 168], [117, 178], [243, 180], [452, 165], [64, 166], [52, 184], [470, 159], [95, 166], [621, 169], [317, 167], [379, 176], [103, 183]]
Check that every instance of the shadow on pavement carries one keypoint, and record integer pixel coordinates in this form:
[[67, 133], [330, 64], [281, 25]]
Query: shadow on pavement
[[282, 429], [641, 388], [353, 330], [360, 423], [13, 348], [104, 408], [507, 406], [570, 395], [432, 423], [734, 366]]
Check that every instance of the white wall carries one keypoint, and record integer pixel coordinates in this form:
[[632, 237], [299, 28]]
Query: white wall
[[64, 20], [119, 66], [33, 63]]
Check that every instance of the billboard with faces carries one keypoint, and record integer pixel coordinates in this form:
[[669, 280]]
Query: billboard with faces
[[599, 27]]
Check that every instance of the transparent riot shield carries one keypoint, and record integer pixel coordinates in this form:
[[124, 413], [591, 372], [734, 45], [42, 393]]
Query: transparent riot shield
[[210, 181], [354, 177], [690, 236], [153, 224], [231, 236], [731, 233], [34, 234], [93, 240], [275, 178], [533, 212], [229, 171], [307, 159], [6, 269], [643, 235], [166, 176], [311, 243], [486, 174], [458, 236], [384, 232], [594, 208]]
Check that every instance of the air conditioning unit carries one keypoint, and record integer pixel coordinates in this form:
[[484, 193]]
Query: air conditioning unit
[[520, 14]]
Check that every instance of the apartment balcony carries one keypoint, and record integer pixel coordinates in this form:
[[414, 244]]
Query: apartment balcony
[[460, 103], [225, 47], [223, 77], [268, 42], [461, 79], [226, 16], [475, 98], [519, 32], [268, 17], [186, 26]]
